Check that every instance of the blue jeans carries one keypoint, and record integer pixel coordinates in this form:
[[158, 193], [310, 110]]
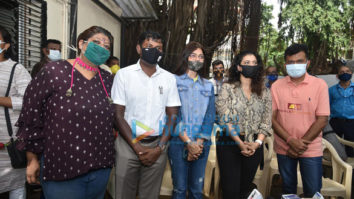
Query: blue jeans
[[91, 185], [311, 174], [187, 175]]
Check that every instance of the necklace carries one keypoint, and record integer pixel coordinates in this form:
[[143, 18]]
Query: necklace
[[69, 92], [85, 66]]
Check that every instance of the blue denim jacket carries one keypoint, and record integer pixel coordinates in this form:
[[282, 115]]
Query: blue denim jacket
[[342, 101], [197, 113]]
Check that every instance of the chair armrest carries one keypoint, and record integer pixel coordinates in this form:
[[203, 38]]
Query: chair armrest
[[345, 142], [269, 156], [339, 166]]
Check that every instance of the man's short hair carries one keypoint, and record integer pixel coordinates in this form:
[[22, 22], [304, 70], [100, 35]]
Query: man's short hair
[[296, 48], [53, 41], [217, 62], [111, 59], [267, 69], [149, 35]]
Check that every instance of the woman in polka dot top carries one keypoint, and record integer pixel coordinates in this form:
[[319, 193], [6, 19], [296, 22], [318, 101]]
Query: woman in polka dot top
[[66, 122]]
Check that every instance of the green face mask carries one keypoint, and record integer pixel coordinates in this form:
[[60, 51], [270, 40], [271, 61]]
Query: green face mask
[[96, 54]]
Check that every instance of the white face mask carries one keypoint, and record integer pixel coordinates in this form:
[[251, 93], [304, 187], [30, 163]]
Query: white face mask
[[54, 55], [1, 49], [296, 70]]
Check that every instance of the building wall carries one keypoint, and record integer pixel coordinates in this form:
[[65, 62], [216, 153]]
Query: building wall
[[58, 12], [88, 14], [86, 19]]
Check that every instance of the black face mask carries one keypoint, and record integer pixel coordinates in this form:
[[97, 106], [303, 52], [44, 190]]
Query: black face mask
[[218, 74], [151, 55], [250, 71]]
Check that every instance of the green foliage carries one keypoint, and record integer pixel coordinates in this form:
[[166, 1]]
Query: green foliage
[[271, 46], [326, 26], [316, 21]]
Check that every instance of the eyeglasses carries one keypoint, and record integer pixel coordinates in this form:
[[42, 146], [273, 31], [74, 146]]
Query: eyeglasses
[[1, 42], [101, 43], [195, 56]]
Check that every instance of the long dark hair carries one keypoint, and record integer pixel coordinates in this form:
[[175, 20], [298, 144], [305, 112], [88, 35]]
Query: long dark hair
[[257, 84], [88, 33], [7, 38], [182, 66]]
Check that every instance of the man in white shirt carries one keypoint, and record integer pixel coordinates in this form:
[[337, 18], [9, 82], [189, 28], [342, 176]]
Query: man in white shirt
[[146, 101]]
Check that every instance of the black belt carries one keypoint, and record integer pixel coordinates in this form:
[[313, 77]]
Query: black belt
[[343, 119], [149, 139]]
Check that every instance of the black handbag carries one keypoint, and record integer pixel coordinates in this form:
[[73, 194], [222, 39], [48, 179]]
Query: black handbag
[[17, 157]]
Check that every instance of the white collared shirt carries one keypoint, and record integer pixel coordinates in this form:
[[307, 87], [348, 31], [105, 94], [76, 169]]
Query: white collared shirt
[[145, 98]]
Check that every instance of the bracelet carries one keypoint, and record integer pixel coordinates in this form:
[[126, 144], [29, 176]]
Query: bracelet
[[259, 142]]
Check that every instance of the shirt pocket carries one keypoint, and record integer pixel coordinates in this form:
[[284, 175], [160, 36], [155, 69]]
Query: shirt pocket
[[182, 88], [205, 93], [161, 95], [351, 99], [203, 101]]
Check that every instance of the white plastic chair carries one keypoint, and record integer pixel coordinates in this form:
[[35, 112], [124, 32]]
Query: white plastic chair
[[262, 176], [273, 170], [211, 166], [349, 160], [341, 183], [167, 186]]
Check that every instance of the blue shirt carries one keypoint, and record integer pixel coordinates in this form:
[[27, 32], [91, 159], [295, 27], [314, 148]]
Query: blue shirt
[[342, 101], [197, 112]]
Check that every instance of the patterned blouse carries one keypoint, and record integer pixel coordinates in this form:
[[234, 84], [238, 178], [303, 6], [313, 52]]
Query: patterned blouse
[[74, 133], [254, 115]]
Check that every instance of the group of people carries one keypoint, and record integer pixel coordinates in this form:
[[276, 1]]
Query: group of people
[[66, 115]]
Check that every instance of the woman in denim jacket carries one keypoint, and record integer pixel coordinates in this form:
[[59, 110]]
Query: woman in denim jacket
[[189, 148]]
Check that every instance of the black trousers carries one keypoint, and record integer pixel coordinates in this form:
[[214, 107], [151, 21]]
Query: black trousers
[[236, 170], [344, 127]]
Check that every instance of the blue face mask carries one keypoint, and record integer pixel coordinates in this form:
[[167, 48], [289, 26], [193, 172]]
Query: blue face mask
[[272, 77], [1, 49], [296, 70], [345, 77], [54, 55]]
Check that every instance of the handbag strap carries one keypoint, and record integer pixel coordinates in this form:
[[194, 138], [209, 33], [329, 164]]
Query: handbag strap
[[7, 115]]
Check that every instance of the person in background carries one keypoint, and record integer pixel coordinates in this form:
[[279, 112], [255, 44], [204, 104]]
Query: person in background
[[244, 109], [51, 51], [218, 75], [113, 63], [190, 144], [300, 112], [11, 180], [272, 75], [341, 99], [66, 122], [146, 102]]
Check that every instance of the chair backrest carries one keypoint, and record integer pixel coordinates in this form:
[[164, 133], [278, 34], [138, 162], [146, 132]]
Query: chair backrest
[[342, 171], [268, 149]]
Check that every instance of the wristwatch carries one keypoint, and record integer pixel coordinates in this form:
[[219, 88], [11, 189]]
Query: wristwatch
[[162, 146], [188, 142]]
